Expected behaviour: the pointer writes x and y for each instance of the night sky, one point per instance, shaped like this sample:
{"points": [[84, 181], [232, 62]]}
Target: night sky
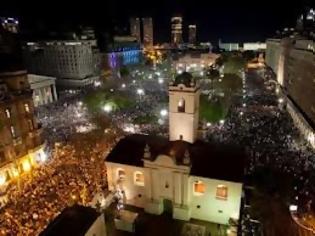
{"points": [[229, 20]]}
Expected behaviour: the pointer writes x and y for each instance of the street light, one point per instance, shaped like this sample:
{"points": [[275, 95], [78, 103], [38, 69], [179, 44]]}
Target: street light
{"points": [[107, 108], [221, 122], [163, 112], [140, 91], [244, 104], [123, 85], [208, 124]]}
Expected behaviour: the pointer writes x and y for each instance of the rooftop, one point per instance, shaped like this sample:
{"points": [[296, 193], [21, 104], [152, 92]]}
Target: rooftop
{"points": [[208, 160], [74, 221]]}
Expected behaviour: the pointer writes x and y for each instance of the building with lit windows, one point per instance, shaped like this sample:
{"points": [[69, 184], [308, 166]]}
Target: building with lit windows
{"points": [[195, 62], [74, 63], [147, 32], [182, 175], [135, 28], [176, 30], [21, 144], [192, 32], [10, 24]]}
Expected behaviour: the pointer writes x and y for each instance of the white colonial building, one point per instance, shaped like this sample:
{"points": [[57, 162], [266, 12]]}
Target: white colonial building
{"points": [[182, 176]]}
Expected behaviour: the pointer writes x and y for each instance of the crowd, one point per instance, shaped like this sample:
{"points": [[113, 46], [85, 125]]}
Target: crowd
{"points": [[266, 131], [73, 175]]}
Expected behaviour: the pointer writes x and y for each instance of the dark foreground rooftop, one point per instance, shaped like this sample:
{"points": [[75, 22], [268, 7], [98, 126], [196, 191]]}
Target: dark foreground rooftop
{"points": [[208, 160], [74, 221]]}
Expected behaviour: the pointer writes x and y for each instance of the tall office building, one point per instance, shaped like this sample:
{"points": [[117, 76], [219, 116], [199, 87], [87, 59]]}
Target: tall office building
{"points": [[10, 24], [135, 28], [147, 32], [21, 144], [177, 31], [74, 63], [192, 31]]}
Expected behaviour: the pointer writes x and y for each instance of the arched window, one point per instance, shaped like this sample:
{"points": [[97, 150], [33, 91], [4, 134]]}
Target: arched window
{"points": [[222, 192], [199, 188], [181, 105], [121, 174], [139, 178]]}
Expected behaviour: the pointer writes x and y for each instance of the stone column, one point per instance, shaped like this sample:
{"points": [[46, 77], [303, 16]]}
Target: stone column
{"points": [[148, 183], [41, 97], [185, 183], [178, 188], [54, 92]]}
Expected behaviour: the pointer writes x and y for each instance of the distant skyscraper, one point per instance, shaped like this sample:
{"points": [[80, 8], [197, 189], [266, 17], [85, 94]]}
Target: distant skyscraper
{"points": [[147, 32], [177, 31], [10, 24], [135, 28], [192, 31]]}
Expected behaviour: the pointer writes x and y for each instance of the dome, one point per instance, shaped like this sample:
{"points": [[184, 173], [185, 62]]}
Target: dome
{"points": [[184, 78]]}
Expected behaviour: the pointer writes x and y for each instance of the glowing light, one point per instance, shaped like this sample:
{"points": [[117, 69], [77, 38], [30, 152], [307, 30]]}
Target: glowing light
{"points": [[112, 90], [133, 81], [97, 83], [179, 72], [280, 100], [107, 108], [241, 113], [293, 208], [26, 166], [123, 85], [43, 157], [2, 179], [221, 122], [222, 75], [208, 124], [80, 103], [161, 81], [244, 104], [201, 73], [140, 91], [163, 112], [15, 172], [150, 76]]}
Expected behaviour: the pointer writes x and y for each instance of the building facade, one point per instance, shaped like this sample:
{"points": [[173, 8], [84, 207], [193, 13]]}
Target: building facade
{"points": [[21, 144], [147, 32], [293, 61], [176, 30], [44, 89], [180, 176], [195, 63], [192, 34], [135, 28], [229, 46], [73, 63], [256, 46]]}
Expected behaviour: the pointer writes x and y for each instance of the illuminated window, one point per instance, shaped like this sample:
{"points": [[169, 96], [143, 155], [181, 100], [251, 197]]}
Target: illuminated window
{"points": [[199, 188], [121, 174], [26, 107], [8, 113], [181, 105], [12, 129], [139, 178], [222, 192]]}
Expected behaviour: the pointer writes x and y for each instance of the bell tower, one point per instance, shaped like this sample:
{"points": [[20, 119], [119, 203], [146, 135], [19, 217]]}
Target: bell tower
{"points": [[184, 94]]}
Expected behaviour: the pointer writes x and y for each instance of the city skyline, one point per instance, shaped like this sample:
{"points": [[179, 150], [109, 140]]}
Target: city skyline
{"points": [[233, 22]]}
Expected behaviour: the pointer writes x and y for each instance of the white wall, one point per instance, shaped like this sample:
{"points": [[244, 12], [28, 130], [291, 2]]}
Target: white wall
{"points": [[130, 188], [210, 205]]}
